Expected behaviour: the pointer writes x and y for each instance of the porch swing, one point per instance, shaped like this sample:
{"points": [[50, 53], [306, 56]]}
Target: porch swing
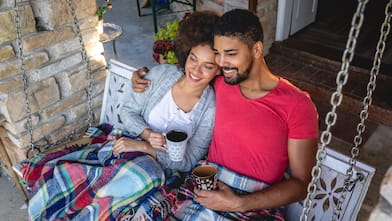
{"points": [[350, 178]]}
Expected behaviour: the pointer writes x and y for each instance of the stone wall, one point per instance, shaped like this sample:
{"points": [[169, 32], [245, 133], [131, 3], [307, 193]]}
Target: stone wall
{"points": [[56, 73], [266, 10]]}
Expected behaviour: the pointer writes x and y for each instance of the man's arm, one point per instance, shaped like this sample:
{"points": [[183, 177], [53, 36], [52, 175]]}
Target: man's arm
{"points": [[138, 83], [302, 159]]}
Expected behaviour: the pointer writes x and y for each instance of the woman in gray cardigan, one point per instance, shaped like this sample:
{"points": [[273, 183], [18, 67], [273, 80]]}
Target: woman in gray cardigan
{"points": [[176, 99]]}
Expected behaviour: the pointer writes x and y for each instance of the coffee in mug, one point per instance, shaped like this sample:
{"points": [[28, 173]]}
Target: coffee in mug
{"points": [[205, 177], [176, 141], [176, 135]]}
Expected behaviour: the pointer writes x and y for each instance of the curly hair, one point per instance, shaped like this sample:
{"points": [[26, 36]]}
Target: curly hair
{"points": [[242, 24], [195, 29]]}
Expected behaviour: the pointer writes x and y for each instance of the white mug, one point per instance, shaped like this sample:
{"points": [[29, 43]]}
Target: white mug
{"points": [[176, 141]]}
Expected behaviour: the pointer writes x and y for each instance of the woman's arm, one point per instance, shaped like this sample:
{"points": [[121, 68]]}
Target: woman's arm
{"points": [[125, 144], [198, 144], [132, 112], [137, 107]]}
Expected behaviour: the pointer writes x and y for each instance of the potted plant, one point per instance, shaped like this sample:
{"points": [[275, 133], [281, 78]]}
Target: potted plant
{"points": [[101, 11], [163, 47]]}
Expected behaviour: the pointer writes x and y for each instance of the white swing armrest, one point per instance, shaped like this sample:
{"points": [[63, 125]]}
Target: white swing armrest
{"points": [[117, 88], [332, 177]]}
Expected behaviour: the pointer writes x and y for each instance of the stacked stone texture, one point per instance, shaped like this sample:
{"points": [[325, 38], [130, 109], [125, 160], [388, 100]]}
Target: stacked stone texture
{"points": [[56, 73]]}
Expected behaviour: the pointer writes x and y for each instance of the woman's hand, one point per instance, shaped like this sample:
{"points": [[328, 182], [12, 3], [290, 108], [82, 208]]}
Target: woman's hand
{"points": [[125, 144], [157, 141], [138, 83]]}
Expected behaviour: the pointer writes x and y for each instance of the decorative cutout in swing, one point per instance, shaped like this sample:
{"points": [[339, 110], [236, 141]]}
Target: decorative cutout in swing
{"points": [[330, 186], [117, 90]]}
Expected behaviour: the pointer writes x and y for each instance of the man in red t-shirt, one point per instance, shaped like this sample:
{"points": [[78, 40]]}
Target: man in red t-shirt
{"points": [[263, 124]]}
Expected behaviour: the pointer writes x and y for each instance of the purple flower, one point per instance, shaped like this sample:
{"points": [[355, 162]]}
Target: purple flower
{"points": [[162, 46], [156, 57]]}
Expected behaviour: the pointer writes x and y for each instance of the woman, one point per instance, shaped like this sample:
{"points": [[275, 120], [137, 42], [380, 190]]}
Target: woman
{"points": [[88, 183], [176, 99]]}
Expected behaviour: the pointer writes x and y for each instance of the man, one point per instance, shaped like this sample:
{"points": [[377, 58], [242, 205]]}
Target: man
{"points": [[263, 125]]}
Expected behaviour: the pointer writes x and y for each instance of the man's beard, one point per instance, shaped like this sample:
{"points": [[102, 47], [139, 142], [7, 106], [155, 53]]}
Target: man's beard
{"points": [[239, 77]]}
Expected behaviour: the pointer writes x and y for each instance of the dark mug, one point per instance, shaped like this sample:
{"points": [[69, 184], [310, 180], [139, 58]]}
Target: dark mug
{"points": [[205, 177]]}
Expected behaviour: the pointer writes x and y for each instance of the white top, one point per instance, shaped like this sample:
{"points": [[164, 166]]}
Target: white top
{"points": [[166, 116]]}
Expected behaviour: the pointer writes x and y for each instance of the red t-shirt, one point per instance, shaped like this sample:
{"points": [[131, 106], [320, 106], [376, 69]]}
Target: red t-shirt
{"points": [[250, 135]]}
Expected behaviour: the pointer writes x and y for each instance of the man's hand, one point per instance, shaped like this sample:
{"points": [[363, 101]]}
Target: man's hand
{"points": [[223, 199], [138, 83]]}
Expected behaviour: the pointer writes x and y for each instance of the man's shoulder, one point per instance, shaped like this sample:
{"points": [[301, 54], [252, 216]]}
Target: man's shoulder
{"points": [[292, 90]]}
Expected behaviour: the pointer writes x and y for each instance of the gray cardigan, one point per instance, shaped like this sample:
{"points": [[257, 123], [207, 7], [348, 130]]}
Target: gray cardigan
{"points": [[136, 109]]}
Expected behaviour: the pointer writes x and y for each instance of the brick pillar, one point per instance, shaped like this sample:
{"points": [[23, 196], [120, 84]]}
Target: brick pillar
{"points": [[57, 74]]}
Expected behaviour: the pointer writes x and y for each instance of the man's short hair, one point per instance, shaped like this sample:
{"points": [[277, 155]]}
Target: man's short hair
{"points": [[240, 23]]}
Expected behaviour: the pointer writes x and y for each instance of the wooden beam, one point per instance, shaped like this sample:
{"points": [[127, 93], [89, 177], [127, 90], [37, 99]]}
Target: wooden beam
{"points": [[252, 4]]}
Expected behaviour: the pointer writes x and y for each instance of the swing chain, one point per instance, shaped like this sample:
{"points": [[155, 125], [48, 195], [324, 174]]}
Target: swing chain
{"points": [[24, 78], [349, 182], [335, 101], [86, 61], [35, 149], [75, 133]]}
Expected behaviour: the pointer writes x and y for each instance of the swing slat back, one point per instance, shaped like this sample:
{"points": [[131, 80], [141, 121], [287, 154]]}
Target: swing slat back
{"points": [[117, 90], [331, 185]]}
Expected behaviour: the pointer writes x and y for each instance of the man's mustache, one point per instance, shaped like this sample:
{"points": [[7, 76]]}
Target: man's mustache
{"points": [[226, 69]]}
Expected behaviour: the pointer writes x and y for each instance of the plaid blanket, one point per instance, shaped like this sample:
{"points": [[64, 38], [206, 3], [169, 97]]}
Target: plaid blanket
{"points": [[173, 204], [88, 182]]}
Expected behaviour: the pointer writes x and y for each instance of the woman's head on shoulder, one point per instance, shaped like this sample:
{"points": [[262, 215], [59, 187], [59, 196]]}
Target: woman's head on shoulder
{"points": [[194, 47], [194, 29]]}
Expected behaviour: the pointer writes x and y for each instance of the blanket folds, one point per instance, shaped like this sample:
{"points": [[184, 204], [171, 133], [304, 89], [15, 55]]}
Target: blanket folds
{"points": [[183, 207], [88, 182]]}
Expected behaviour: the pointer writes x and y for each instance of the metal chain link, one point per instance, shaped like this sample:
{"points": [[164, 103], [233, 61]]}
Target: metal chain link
{"points": [[367, 100], [87, 62], [35, 149], [336, 99], [24, 77]]}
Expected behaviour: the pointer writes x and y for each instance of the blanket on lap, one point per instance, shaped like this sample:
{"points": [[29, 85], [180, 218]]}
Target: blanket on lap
{"points": [[160, 206], [88, 182]]}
